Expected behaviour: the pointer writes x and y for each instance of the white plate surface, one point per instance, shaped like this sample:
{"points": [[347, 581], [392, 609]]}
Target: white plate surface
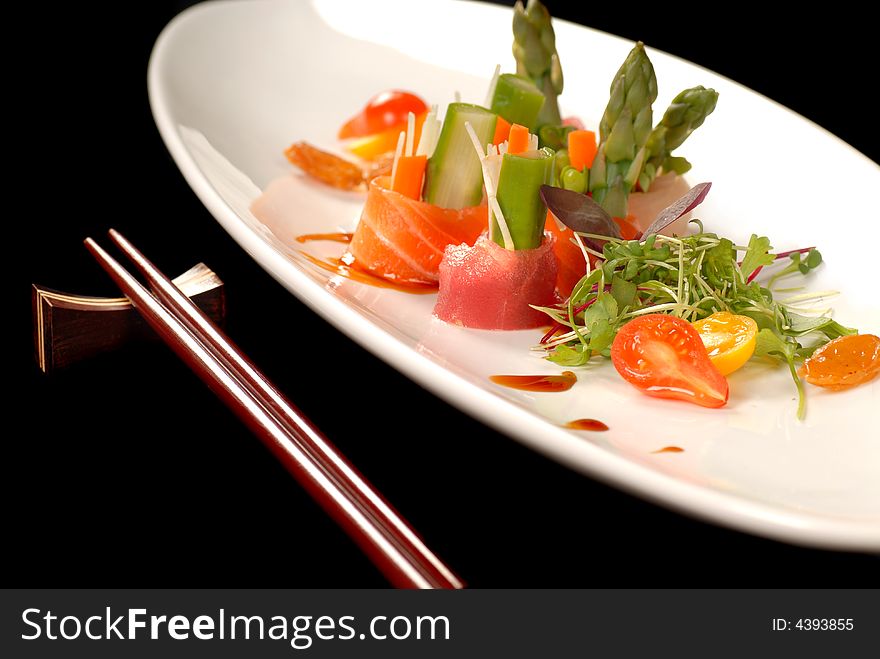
{"points": [[232, 83]]}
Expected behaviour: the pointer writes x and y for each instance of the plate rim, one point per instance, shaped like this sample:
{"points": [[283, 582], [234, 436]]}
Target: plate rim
{"points": [[715, 506]]}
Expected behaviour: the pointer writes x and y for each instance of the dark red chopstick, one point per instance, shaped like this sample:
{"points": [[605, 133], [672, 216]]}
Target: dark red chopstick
{"points": [[369, 520], [296, 424]]}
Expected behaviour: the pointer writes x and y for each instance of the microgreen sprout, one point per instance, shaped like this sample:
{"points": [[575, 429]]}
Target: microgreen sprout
{"points": [[690, 277]]}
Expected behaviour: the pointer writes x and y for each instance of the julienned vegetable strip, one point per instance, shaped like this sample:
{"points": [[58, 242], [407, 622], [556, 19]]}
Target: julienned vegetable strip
{"points": [[502, 130], [581, 148], [518, 100], [428, 133], [408, 169], [518, 139], [398, 153], [454, 176], [408, 176], [519, 183]]}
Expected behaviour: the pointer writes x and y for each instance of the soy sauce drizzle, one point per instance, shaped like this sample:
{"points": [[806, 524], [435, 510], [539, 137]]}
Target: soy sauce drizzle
{"points": [[345, 267], [335, 237], [587, 424], [544, 383]]}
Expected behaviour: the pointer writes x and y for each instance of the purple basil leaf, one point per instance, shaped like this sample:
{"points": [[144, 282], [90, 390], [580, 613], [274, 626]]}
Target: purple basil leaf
{"points": [[580, 213], [691, 199]]}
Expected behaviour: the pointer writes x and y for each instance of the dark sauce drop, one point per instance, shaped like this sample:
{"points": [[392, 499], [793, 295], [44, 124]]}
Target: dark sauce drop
{"points": [[335, 237], [669, 449], [546, 383], [345, 267], [587, 424]]}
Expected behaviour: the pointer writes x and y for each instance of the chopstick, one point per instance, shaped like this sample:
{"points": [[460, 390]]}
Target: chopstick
{"points": [[384, 536]]}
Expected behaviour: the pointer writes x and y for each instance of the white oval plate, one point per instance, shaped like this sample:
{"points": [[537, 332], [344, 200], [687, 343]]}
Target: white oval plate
{"points": [[233, 83]]}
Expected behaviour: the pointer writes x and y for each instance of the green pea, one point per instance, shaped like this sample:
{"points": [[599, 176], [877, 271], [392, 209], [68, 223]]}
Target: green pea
{"points": [[573, 180]]}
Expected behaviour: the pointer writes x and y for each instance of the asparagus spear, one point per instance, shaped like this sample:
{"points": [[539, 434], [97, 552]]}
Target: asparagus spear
{"points": [[623, 132], [534, 47], [517, 100], [519, 185], [686, 113]]}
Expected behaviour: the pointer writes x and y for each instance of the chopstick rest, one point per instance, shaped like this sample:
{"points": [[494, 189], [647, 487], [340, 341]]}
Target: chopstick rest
{"points": [[72, 328]]}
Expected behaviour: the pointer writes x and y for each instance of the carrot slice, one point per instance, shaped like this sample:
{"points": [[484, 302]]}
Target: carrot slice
{"points": [[518, 140], [502, 130], [581, 148], [409, 176]]}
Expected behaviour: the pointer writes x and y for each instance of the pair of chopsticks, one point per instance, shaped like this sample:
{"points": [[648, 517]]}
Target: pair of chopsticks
{"points": [[384, 536]]}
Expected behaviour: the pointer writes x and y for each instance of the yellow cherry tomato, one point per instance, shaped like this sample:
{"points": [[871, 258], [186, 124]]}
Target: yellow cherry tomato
{"points": [[370, 147], [373, 146], [729, 339]]}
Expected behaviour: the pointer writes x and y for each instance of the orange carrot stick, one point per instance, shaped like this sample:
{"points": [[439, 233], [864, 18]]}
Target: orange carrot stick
{"points": [[581, 148], [502, 130], [518, 140], [409, 176]]}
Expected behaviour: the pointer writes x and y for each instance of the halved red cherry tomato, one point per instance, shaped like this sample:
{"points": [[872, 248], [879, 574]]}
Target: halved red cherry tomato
{"points": [[665, 357], [385, 110], [844, 362]]}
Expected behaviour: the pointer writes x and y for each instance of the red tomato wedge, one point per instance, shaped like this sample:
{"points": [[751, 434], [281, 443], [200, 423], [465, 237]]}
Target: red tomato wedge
{"points": [[665, 357], [385, 110]]}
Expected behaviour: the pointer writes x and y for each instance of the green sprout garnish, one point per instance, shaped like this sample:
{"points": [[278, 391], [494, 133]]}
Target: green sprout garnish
{"points": [[690, 277]]}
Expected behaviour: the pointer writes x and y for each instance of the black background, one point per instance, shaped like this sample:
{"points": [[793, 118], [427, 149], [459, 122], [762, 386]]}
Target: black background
{"points": [[126, 471]]}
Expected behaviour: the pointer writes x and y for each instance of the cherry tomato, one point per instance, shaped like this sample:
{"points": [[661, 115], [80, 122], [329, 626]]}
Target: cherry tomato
{"points": [[665, 357], [385, 110], [730, 339], [373, 146], [844, 362]]}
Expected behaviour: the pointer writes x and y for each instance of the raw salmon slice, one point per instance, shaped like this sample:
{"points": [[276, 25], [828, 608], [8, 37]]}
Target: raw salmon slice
{"points": [[403, 240]]}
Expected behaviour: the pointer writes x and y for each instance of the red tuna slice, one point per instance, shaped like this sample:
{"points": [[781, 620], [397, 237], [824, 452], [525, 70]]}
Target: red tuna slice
{"points": [[402, 239], [489, 287]]}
